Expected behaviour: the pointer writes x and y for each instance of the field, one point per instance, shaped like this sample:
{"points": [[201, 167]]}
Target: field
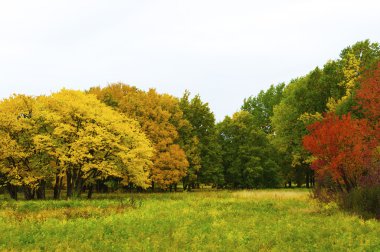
{"points": [[262, 220]]}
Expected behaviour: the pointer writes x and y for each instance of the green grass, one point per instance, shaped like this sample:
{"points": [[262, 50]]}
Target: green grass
{"points": [[263, 220]]}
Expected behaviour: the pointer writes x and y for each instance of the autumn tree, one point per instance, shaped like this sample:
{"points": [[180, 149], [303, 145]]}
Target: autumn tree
{"points": [[367, 96], [305, 99], [368, 101], [342, 148], [354, 61], [20, 166], [86, 141], [161, 119], [346, 149]]}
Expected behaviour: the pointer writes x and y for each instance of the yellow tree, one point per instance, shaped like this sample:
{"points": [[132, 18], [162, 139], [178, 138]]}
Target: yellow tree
{"points": [[86, 140], [20, 165], [161, 118]]}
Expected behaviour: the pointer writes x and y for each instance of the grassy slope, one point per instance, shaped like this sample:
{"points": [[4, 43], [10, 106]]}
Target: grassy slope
{"points": [[268, 220]]}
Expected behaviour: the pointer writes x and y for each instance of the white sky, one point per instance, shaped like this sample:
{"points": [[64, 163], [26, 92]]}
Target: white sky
{"points": [[224, 50]]}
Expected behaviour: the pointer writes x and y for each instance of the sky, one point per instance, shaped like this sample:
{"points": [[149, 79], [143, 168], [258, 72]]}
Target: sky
{"points": [[224, 50]]}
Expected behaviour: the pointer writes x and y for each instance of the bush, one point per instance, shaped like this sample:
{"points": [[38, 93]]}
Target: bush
{"points": [[363, 201]]}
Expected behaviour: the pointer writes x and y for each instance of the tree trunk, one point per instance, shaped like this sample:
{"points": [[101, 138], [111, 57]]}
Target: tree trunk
{"points": [[98, 186], [57, 187], [12, 190], [152, 186], [90, 189], [41, 190], [307, 179], [69, 191], [78, 186], [28, 192]]}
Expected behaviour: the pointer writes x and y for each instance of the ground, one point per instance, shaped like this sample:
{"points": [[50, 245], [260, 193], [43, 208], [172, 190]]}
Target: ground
{"points": [[257, 220]]}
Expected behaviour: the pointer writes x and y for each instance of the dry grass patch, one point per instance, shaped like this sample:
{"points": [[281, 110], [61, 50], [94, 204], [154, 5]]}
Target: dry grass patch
{"points": [[271, 194]]}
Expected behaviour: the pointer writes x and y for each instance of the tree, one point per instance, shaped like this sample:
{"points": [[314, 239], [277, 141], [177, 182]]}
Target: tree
{"points": [[342, 149], [367, 96], [368, 100], [19, 165], [261, 106], [355, 60], [203, 129], [161, 119], [289, 128], [248, 158], [87, 141], [190, 143], [345, 148]]}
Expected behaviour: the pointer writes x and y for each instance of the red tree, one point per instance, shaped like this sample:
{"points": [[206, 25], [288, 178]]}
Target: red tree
{"points": [[368, 98], [343, 148]]}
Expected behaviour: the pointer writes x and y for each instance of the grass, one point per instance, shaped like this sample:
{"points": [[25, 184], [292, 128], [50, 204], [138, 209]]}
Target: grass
{"points": [[262, 220]]}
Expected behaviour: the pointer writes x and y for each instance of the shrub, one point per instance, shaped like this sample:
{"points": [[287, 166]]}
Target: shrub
{"points": [[364, 201]]}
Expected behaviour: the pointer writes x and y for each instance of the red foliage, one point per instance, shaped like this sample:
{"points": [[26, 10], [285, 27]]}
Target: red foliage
{"points": [[343, 148], [368, 97]]}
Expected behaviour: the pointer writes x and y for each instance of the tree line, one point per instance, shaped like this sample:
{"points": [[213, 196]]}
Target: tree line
{"points": [[120, 136]]}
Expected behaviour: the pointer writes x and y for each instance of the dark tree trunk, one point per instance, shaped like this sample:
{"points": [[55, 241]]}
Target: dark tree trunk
{"points": [[69, 191], [57, 187], [100, 188], [78, 186], [152, 186], [307, 179], [90, 189], [175, 187], [12, 190], [28, 193], [41, 190]]}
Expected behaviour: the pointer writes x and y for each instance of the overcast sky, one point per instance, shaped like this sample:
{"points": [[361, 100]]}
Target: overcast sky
{"points": [[223, 50]]}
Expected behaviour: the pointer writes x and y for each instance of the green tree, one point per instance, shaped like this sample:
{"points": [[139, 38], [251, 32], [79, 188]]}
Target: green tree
{"points": [[305, 99], [202, 121], [248, 157], [261, 106]]}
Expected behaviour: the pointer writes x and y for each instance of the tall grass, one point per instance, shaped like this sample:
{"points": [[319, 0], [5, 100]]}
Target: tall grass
{"points": [[263, 220]]}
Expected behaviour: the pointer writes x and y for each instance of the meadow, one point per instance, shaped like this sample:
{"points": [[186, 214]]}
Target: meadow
{"points": [[257, 220]]}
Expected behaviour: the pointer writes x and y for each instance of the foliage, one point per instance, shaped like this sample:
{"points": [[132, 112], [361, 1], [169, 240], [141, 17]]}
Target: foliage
{"points": [[364, 201], [342, 148], [248, 158], [346, 150], [19, 163], [305, 99], [202, 120], [367, 97], [161, 119], [73, 135], [261, 106]]}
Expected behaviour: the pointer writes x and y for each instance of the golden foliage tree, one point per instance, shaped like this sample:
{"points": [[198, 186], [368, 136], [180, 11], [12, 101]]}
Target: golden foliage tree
{"points": [[161, 119], [70, 135], [19, 165]]}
